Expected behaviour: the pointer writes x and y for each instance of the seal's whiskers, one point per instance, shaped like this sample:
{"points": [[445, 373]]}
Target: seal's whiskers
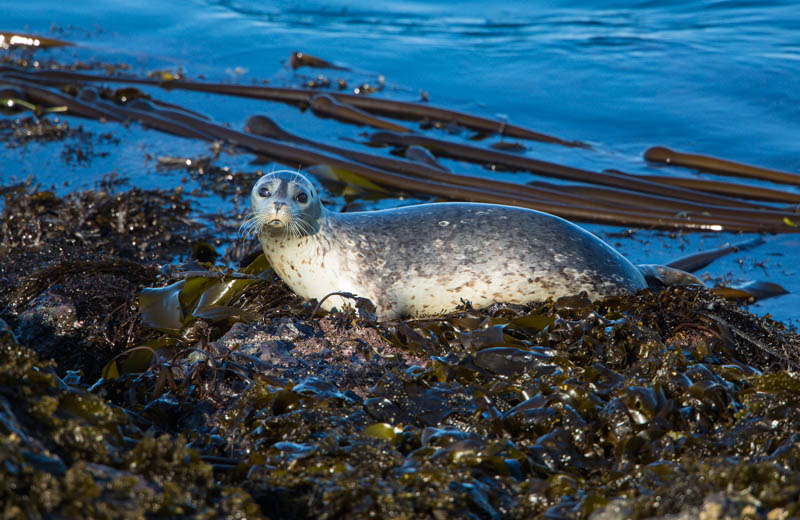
{"points": [[250, 227], [300, 227]]}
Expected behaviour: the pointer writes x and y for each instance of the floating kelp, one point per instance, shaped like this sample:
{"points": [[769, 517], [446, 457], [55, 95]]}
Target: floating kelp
{"points": [[625, 199], [751, 291], [715, 165], [730, 189], [325, 106], [348, 108], [696, 261], [610, 200], [387, 107]]}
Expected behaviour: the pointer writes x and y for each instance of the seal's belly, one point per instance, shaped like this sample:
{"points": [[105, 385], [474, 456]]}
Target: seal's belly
{"points": [[403, 293], [426, 297]]}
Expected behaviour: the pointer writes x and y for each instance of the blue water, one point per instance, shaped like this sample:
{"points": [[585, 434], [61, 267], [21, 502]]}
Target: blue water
{"points": [[713, 77]]}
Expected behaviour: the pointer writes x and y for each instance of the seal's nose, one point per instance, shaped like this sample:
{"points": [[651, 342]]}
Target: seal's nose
{"points": [[277, 205]]}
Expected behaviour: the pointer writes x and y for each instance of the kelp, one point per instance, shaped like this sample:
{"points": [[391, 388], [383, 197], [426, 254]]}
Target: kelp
{"points": [[196, 303], [301, 59], [624, 199], [392, 108], [73, 264], [722, 166], [521, 429]]}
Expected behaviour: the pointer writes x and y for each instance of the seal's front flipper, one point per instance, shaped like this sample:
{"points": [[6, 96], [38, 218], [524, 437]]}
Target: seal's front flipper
{"points": [[660, 276]]}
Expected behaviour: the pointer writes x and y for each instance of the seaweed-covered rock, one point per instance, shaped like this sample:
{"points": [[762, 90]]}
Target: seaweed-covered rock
{"points": [[73, 267], [228, 396], [67, 453]]}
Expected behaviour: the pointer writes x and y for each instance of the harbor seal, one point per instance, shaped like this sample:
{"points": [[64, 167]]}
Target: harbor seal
{"points": [[430, 259]]}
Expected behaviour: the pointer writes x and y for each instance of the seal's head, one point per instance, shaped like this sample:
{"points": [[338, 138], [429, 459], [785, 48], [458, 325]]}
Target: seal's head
{"points": [[284, 204]]}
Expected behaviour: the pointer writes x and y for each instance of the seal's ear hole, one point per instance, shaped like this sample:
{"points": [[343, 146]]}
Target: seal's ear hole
{"points": [[263, 191], [301, 197]]}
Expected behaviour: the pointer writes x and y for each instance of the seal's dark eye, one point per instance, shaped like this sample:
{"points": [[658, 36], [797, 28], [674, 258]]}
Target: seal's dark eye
{"points": [[301, 198], [263, 191]]}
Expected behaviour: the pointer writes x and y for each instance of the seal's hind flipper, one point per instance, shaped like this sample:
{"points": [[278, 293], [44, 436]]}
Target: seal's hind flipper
{"points": [[660, 276]]}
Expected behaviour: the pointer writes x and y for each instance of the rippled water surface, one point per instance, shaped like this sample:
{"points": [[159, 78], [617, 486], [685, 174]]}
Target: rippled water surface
{"points": [[719, 78]]}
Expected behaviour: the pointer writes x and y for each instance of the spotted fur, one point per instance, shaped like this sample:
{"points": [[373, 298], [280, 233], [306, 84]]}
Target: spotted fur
{"points": [[428, 259]]}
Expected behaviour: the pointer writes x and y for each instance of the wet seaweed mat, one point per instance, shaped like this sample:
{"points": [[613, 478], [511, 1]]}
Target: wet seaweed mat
{"points": [[650, 405], [565, 410]]}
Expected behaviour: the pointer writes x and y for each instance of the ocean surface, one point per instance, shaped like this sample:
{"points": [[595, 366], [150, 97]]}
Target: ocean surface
{"points": [[714, 77]]}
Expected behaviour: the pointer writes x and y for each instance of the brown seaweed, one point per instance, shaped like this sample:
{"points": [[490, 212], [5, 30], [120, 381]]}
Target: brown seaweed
{"points": [[681, 208], [722, 166], [386, 107]]}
